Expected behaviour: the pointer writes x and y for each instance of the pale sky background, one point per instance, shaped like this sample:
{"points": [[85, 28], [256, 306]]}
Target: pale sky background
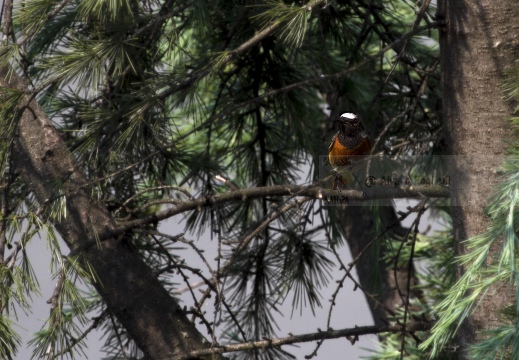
{"points": [[351, 309]]}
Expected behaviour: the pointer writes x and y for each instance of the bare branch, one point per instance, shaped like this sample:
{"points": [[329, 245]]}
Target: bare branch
{"points": [[296, 339], [313, 191], [421, 208]]}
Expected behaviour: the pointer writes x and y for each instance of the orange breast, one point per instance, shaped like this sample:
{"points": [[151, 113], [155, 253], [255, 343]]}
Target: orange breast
{"points": [[340, 155]]}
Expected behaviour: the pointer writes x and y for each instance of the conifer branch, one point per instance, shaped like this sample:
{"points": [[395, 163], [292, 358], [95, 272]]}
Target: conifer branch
{"points": [[267, 31], [320, 335], [393, 192]]}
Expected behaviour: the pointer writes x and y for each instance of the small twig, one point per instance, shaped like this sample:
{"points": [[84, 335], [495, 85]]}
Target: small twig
{"points": [[421, 210], [217, 284], [270, 217], [162, 187], [4, 212], [402, 244], [191, 243], [211, 287], [180, 266], [227, 182], [54, 302], [54, 299], [188, 288]]}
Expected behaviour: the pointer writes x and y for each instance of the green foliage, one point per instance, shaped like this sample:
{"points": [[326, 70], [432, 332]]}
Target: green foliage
{"points": [[9, 340], [157, 98]]}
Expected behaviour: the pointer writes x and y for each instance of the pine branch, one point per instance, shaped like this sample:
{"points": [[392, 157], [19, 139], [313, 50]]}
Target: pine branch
{"points": [[296, 339], [269, 30], [393, 192], [57, 9]]}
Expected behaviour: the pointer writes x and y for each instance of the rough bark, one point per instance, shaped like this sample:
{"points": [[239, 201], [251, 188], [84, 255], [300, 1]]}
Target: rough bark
{"points": [[478, 43], [150, 315]]}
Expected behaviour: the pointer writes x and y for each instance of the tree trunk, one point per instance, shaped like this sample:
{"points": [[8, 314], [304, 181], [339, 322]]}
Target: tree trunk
{"points": [[133, 294], [478, 43]]}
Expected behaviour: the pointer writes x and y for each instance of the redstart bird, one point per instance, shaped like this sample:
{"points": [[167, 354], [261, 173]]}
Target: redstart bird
{"points": [[350, 141]]}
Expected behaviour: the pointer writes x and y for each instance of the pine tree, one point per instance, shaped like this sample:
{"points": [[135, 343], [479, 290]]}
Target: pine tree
{"points": [[119, 115]]}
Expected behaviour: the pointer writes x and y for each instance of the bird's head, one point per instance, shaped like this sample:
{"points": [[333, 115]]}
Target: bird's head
{"points": [[350, 123]]}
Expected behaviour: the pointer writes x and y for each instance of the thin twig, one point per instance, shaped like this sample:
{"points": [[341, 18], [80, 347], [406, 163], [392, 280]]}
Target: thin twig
{"points": [[421, 210], [55, 315], [96, 321], [227, 182]]}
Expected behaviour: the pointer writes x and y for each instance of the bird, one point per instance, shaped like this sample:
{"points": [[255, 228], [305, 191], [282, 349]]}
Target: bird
{"points": [[348, 144]]}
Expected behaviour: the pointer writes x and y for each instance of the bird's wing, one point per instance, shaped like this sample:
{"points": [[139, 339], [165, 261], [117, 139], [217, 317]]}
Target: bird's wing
{"points": [[332, 142]]}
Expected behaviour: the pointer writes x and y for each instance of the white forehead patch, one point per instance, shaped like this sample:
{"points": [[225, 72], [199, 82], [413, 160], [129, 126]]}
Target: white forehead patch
{"points": [[350, 116]]}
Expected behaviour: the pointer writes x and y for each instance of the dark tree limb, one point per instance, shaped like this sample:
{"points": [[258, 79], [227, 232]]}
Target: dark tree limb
{"points": [[153, 319]]}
